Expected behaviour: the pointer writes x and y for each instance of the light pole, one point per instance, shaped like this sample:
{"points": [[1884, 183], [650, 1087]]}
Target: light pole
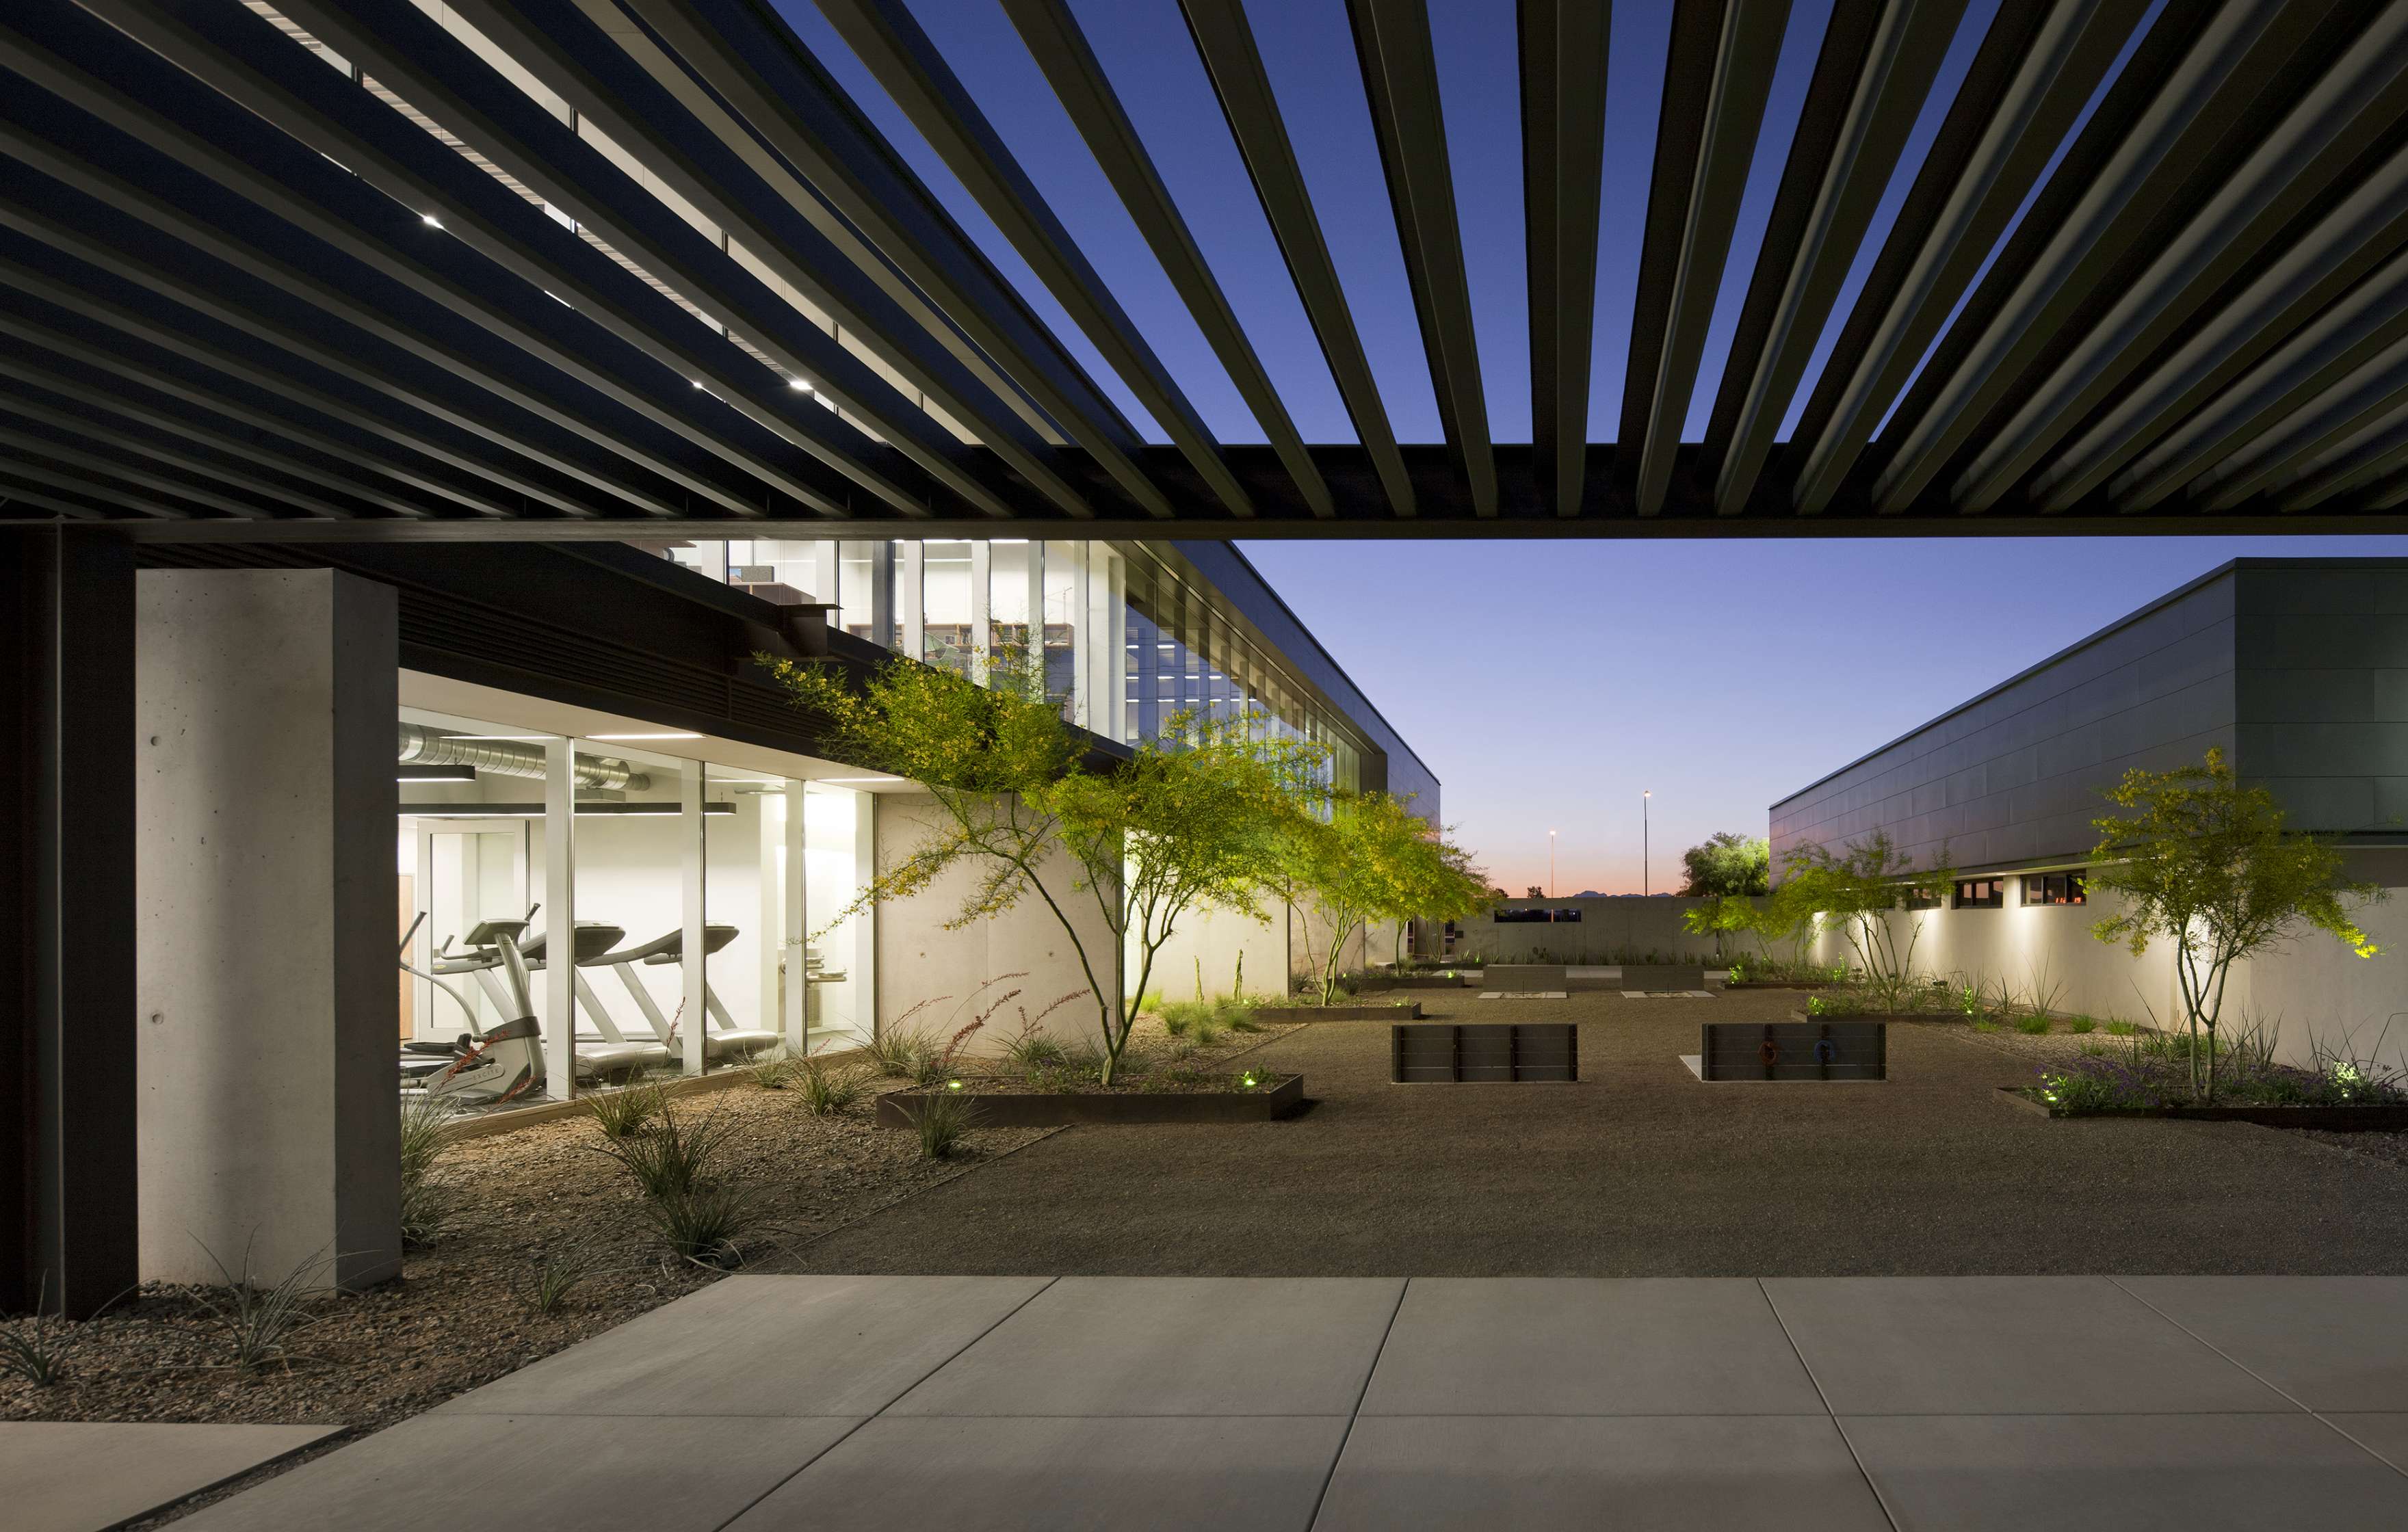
{"points": [[1551, 864], [1644, 885]]}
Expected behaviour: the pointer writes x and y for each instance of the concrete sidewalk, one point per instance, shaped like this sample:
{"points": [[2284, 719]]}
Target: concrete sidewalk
{"points": [[1023, 1402]]}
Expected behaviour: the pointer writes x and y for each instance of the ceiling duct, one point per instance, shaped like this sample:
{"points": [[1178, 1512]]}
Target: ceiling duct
{"points": [[423, 745]]}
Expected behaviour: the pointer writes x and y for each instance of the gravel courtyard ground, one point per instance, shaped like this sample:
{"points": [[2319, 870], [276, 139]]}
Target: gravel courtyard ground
{"points": [[1641, 1171]]}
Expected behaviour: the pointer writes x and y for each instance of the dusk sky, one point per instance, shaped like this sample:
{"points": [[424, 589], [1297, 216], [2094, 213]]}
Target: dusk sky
{"points": [[1546, 682]]}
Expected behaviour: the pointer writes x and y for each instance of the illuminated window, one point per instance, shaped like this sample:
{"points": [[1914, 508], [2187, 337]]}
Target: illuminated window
{"points": [[1922, 899], [2054, 888], [1981, 893]]}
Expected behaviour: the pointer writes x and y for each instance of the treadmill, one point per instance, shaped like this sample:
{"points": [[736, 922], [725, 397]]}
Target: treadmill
{"points": [[728, 1041]]}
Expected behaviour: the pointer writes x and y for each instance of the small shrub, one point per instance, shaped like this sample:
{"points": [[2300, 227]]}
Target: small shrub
{"points": [[2121, 1029], [2031, 1027], [2095, 1085], [2081, 1024], [941, 1121], [706, 1225], [261, 1322], [625, 1112], [825, 1089], [35, 1347], [676, 1158], [1176, 1022], [544, 1287], [1207, 1034]]}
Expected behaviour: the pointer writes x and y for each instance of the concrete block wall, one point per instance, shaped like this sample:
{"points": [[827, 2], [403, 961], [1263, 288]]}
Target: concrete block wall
{"points": [[1609, 928], [939, 977]]}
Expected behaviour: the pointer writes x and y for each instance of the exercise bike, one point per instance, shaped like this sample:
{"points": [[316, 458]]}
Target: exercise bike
{"points": [[481, 1067]]}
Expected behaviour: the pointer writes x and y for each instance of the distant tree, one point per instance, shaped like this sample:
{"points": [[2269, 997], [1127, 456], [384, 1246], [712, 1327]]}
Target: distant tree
{"points": [[1535, 892], [1726, 863], [2210, 865], [1857, 890]]}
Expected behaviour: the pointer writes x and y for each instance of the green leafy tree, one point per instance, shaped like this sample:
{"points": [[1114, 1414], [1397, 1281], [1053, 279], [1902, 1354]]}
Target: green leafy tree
{"points": [[1722, 916], [1192, 821], [2210, 865], [1855, 890], [1727, 863], [1435, 880]]}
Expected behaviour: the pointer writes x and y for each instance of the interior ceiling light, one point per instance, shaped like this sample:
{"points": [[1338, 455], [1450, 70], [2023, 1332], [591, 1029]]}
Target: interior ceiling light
{"points": [[536, 810]]}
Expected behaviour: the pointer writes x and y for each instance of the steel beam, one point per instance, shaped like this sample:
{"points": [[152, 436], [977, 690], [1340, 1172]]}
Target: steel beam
{"points": [[1392, 43], [180, 356], [2037, 65], [2318, 144], [1226, 43], [1875, 69], [869, 202], [1071, 68], [439, 76], [2291, 288], [2144, 166], [1564, 47], [905, 61], [1716, 80], [2359, 327], [131, 435], [558, 42]]}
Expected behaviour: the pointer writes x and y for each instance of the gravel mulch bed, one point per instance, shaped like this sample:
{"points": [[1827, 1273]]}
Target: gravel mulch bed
{"points": [[453, 1320], [2389, 1149], [1640, 1170], [2042, 1048]]}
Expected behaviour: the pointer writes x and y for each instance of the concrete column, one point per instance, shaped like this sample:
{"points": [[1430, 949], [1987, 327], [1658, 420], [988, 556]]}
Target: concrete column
{"points": [[560, 918], [69, 1233], [982, 607], [694, 1017], [912, 595], [265, 805], [862, 962]]}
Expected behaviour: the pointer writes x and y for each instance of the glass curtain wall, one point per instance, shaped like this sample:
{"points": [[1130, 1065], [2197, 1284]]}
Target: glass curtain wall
{"points": [[686, 925]]}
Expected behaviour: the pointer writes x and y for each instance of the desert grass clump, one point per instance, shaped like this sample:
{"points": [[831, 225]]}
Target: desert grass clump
{"points": [[2081, 1026], [545, 1287], [260, 1322], [1986, 1026], [677, 1157], [423, 1120], [709, 1225], [772, 1069], [826, 1089], [2032, 1026], [36, 1348], [626, 1112], [2121, 1029], [941, 1121]]}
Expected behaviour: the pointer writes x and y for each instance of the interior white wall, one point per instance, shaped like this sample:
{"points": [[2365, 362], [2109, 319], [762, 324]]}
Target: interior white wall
{"points": [[265, 802], [929, 976]]}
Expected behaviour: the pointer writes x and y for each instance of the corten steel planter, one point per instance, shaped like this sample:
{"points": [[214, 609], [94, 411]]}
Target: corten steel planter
{"points": [[900, 1108], [1828, 1048], [1401, 1010], [1654, 977], [1519, 1052], [1416, 982], [2372, 1117], [1523, 977]]}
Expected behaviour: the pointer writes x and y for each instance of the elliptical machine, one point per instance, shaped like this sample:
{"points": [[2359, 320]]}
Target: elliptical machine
{"points": [[481, 1067]]}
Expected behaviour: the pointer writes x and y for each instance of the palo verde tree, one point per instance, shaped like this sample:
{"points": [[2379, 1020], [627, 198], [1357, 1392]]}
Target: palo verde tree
{"points": [[1722, 916], [2210, 865], [1191, 821], [1855, 890], [1370, 858], [1727, 863]]}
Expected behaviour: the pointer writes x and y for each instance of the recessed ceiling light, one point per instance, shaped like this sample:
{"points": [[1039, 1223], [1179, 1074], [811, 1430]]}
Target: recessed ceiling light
{"points": [[798, 384], [430, 220]]}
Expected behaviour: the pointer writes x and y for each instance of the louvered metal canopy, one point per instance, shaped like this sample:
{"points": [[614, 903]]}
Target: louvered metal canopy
{"points": [[567, 268]]}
